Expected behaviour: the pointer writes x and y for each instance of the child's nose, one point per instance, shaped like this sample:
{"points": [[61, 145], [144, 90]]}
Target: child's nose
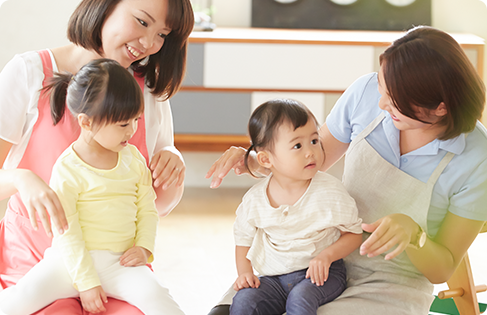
{"points": [[131, 131]]}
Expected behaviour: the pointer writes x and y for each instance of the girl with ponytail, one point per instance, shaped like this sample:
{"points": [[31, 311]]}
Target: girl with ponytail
{"points": [[105, 189]]}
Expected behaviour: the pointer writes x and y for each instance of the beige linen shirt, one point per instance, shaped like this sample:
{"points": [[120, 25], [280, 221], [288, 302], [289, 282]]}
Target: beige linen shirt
{"points": [[285, 239]]}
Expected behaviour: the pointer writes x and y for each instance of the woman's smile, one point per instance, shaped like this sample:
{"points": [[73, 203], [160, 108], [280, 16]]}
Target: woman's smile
{"points": [[134, 52]]}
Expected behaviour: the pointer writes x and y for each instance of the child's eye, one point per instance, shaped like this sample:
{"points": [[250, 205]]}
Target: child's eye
{"points": [[163, 36], [297, 146], [124, 125], [315, 141]]}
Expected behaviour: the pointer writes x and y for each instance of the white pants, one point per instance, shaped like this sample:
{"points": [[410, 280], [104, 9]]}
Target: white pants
{"points": [[49, 281]]}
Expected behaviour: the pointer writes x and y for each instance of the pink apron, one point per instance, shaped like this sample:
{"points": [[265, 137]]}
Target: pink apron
{"points": [[21, 247]]}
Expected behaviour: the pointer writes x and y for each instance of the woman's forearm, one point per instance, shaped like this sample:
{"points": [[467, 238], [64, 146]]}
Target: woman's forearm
{"points": [[434, 261], [7, 177], [168, 199], [440, 256], [8, 182]]}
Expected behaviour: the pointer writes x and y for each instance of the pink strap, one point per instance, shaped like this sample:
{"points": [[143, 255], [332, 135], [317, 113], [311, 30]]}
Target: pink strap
{"points": [[139, 138]]}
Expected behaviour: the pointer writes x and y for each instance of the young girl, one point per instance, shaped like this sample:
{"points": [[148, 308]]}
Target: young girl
{"points": [[105, 188], [147, 37], [295, 226]]}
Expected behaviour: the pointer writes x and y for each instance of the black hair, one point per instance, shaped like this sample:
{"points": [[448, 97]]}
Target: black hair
{"points": [[268, 117], [164, 71], [426, 67], [102, 89]]}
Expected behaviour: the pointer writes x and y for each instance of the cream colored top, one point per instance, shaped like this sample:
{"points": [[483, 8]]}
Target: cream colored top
{"points": [[285, 239], [106, 210]]}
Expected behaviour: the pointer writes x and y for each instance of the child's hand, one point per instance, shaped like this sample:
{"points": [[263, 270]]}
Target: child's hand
{"points": [[246, 280], [93, 299], [135, 256], [318, 269], [167, 168]]}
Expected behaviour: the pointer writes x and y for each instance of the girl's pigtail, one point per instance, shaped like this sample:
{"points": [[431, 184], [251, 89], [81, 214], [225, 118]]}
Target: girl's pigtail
{"points": [[246, 159], [58, 86]]}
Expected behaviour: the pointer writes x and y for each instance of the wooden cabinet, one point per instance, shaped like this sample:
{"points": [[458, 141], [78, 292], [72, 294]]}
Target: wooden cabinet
{"points": [[232, 70]]}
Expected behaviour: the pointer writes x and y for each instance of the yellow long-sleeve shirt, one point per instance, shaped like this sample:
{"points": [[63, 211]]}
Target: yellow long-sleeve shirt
{"points": [[106, 210]]}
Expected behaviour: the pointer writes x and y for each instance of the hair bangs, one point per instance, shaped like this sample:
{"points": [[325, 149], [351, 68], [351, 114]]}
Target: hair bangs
{"points": [[180, 19], [122, 106]]}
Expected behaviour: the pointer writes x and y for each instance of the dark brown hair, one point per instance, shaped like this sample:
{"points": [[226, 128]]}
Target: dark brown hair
{"points": [[426, 67], [165, 69], [269, 116], [102, 89]]}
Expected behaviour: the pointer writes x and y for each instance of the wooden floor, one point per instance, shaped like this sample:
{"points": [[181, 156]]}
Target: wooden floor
{"points": [[195, 249]]}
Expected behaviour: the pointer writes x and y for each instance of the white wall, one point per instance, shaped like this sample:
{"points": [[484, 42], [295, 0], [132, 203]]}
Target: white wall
{"points": [[32, 24]]}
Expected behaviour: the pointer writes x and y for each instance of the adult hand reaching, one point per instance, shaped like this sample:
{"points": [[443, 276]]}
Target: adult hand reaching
{"points": [[39, 198], [167, 169], [387, 232], [233, 158]]}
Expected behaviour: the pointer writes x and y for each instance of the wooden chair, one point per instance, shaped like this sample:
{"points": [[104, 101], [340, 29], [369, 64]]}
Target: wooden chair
{"points": [[462, 288]]}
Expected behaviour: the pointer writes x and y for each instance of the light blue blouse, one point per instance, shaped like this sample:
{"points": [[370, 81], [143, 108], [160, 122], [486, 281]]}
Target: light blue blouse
{"points": [[460, 189]]}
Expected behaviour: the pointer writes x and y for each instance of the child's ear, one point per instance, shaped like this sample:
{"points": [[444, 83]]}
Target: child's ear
{"points": [[85, 122], [263, 159]]}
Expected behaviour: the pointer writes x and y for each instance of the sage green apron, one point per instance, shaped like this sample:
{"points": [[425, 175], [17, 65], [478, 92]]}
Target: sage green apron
{"points": [[377, 286]]}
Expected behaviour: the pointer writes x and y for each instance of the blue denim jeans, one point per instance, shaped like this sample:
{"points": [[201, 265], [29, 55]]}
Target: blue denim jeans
{"points": [[291, 293]]}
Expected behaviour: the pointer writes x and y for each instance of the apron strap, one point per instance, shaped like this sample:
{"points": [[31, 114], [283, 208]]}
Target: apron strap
{"points": [[367, 130], [371, 126], [139, 138], [440, 168]]}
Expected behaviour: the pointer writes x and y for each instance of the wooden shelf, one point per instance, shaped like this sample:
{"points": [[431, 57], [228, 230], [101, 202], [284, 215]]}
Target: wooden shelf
{"points": [[314, 37], [209, 143], [382, 39]]}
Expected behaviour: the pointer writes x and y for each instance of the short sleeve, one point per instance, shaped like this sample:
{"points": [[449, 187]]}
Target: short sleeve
{"points": [[343, 115], [243, 231], [159, 125], [14, 99], [470, 202]]}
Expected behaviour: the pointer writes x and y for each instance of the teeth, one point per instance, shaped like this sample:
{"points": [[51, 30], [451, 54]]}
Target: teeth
{"points": [[133, 52]]}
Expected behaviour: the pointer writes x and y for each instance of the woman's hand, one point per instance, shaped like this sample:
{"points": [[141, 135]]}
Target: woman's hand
{"points": [[387, 232], [135, 256], [246, 280], [93, 299], [39, 198], [233, 158], [167, 168], [318, 269]]}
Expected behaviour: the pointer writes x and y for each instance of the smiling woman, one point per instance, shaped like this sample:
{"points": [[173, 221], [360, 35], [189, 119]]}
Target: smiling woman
{"points": [[154, 31]]}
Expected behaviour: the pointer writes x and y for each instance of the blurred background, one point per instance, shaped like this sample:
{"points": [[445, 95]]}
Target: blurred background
{"points": [[242, 53]]}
